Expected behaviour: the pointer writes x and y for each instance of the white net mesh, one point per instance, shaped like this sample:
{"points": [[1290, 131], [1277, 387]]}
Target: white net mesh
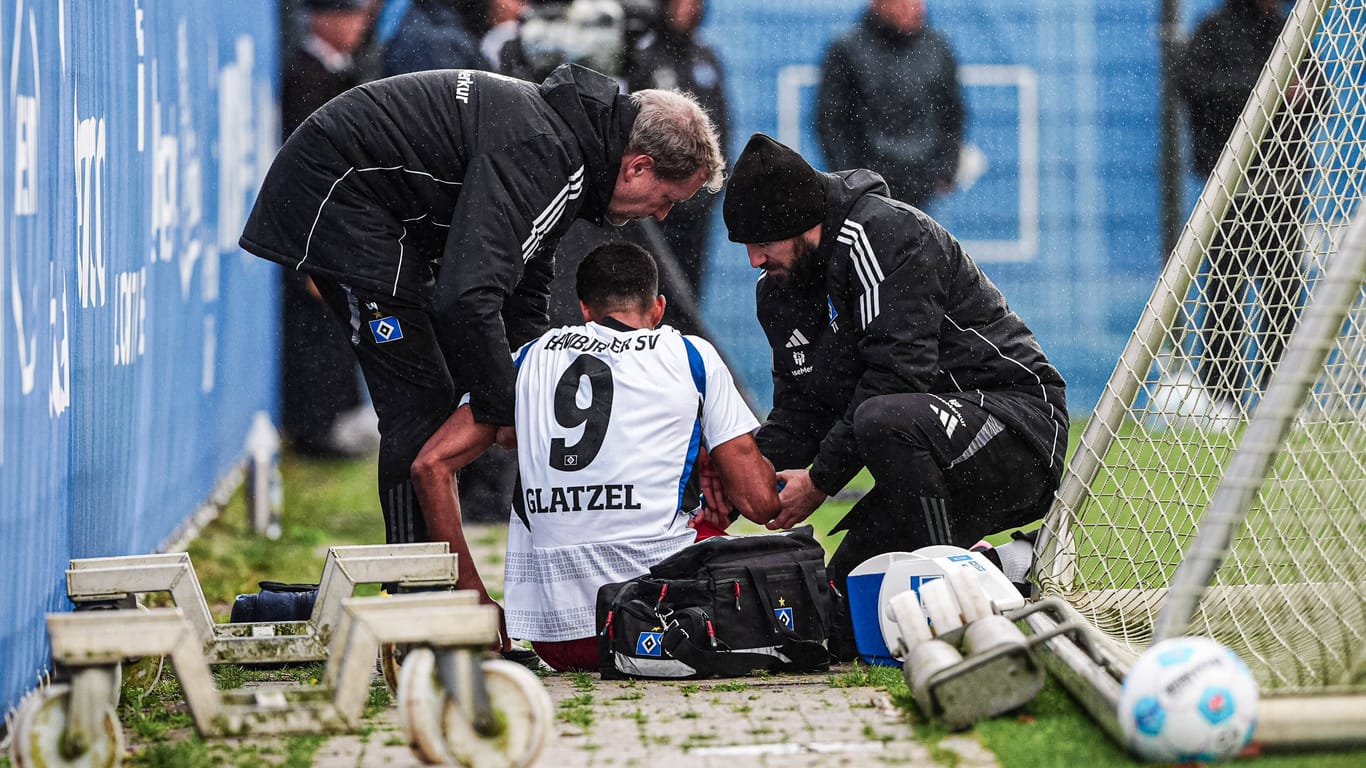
{"points": [[1290, 595]]}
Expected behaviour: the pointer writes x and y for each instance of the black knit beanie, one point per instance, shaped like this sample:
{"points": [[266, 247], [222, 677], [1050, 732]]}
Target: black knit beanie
{"points": [[773, 194]]}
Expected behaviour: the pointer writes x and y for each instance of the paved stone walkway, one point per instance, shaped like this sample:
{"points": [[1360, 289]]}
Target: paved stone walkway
{"points": [[793, 721]]}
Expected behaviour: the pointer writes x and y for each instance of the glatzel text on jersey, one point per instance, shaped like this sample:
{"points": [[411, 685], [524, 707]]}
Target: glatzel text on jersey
{"points": [[582, 498]]}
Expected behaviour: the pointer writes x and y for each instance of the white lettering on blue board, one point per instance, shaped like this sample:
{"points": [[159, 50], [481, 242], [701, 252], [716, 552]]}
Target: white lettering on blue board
{"points": [[59, 325], [237, 140], [25, 155], [206, 373], [130, 316], [91, 159]]}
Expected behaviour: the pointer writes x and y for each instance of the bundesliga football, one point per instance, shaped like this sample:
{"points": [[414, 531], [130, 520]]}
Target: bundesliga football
{"points": [[1188, 699]]}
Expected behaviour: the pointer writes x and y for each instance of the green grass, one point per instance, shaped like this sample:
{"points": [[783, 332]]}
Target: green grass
{"points": [[1162, 481], [1051, 731], [159, 731], [583, 681], [327, 503], [578, 710]]}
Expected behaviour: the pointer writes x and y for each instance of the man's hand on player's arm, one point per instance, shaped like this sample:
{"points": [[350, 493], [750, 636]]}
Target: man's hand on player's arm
{"points": [[748, 479], [456, 443], [799, 497]]}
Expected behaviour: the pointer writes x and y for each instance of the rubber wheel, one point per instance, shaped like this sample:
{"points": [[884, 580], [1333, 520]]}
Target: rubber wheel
{"points": [[143, 673], [39, 728], [524, 712], [420, 704]]}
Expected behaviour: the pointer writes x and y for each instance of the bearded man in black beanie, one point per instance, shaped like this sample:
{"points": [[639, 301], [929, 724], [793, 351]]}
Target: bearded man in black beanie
{"points": [[891, 350]]}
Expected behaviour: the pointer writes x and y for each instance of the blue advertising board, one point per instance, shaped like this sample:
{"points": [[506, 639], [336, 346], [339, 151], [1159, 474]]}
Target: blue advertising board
{"points": [[1058, 194], [134, 334]]}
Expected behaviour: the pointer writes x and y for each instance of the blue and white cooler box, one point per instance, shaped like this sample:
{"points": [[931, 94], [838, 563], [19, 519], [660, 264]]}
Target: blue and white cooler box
{"points": [[876, 580]]}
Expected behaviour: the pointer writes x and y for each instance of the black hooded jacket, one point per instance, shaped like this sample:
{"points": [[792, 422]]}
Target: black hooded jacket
{"points": [[448, 189], [889, 303]]}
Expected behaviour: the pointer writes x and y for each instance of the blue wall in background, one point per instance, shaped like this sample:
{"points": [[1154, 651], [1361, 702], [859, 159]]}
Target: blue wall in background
{"points": [[135, 337], [1063, 106]]}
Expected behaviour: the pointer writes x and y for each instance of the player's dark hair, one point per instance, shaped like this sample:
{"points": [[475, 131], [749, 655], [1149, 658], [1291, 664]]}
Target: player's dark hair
{"points": [[618, 275]]}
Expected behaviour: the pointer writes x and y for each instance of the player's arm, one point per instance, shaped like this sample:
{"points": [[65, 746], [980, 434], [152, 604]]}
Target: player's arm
{"points": [[748, 479], [459, 441], [749, 484]]}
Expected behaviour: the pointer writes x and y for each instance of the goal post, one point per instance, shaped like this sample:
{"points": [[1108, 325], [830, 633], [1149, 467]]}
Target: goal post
{"points": [[1219, 487]]}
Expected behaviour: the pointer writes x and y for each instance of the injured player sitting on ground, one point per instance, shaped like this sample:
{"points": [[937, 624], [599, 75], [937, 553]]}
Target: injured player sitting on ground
{"points": [[616, 420]]}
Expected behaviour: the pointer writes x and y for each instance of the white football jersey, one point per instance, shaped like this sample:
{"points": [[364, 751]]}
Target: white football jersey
{"points": [[609, 423]]}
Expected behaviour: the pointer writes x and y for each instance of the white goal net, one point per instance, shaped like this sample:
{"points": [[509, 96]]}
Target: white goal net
{"points": [[1220, 486]]}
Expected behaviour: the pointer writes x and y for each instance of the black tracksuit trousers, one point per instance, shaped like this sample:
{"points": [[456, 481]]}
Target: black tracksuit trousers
{"points": [[411, 386], [946, 472]]}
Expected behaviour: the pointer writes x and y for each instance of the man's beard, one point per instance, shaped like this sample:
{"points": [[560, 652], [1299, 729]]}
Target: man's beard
{"points": [[805, 268]]}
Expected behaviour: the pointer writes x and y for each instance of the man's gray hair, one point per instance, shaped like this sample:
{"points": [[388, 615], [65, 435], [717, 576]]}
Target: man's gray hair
{"points": [[678, 133]]}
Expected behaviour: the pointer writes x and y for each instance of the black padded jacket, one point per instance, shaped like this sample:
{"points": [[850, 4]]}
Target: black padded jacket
{"points": [[889, 303], [449, 189]]}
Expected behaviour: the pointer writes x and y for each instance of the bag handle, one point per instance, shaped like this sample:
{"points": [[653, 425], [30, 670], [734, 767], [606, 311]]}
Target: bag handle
{"points": [[679, 644], [675, 641], [813, 590], [806, 654]]}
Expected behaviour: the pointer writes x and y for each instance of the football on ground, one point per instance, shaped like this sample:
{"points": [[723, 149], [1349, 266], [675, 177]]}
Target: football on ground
{"points": [[1188, 699]]}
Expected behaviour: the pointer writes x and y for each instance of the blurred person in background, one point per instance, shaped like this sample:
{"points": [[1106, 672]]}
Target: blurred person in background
{"points": [[1215, 75], [324, 413], [322, 65], [438, 34], [890, 100], [670, 55], [505, 20]]}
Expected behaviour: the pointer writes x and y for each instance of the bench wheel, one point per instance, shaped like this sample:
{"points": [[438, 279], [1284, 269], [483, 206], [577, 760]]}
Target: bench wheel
{"points": [[40, 734], [440, 732]]}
